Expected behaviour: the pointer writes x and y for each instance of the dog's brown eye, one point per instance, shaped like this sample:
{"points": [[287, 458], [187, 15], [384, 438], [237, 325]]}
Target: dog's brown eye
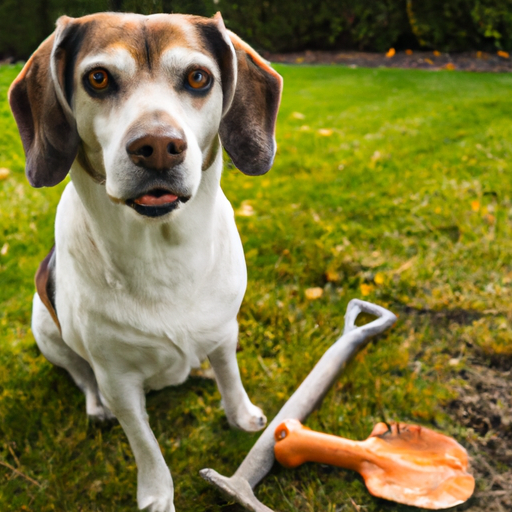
{"points": [[198, 79], [98, 78]]}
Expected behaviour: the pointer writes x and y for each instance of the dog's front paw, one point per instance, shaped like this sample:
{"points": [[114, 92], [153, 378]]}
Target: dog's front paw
{"points": [[160, 504], [248, 417], [155, 490]]}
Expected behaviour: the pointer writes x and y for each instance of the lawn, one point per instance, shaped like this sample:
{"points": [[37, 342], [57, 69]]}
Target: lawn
{"points": [[389, 185]]}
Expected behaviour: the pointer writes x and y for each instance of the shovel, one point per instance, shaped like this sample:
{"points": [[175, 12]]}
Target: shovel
{"points": [[307, 397], [405, 463]]}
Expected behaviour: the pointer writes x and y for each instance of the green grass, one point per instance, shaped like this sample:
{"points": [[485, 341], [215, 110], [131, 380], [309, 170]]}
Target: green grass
{"points": [[406, 203]]}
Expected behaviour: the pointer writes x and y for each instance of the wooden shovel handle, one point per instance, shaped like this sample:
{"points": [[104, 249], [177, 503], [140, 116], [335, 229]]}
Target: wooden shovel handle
{"points": [[296, 444]]}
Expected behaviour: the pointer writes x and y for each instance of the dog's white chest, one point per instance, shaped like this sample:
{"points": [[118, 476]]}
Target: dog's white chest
{"points": [[155, 308]]}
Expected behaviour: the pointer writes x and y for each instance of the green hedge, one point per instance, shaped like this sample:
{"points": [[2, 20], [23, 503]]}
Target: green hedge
{"points": [[288, 25], [461, 24]]}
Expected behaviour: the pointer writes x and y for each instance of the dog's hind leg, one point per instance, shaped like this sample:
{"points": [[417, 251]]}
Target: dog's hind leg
{"points": [[52, 346]]}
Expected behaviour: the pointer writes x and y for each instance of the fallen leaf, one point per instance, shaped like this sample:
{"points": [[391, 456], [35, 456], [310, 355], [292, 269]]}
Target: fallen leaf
{"points": [[503, 54], [436, 53], [376, 156], [304, 128], [406, 266], [475, 205], [245, 210], [298, 115], [299, 60], [429, 61], [4, 249], [332, 276], [450, 66], [366, 289], [479, 55], [390, 53], [408, 52], [4, 173], [314, 293], [379, 278], [325, 132]]}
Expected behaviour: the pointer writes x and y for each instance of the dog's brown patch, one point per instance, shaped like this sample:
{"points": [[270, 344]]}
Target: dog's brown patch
{"points": [[83, 161], [212, 153], [45, 285]]}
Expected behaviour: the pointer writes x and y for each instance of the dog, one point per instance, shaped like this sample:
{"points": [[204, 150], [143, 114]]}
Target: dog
{"points": [[147, 273]]}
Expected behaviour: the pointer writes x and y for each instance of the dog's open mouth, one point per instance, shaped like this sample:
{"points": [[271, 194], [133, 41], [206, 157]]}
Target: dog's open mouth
{"points": [[156, 203]]}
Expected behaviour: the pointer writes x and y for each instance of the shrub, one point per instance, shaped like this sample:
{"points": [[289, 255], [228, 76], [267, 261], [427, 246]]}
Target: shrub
{"points": [[292, 25], [328, 24], [461, 24]]}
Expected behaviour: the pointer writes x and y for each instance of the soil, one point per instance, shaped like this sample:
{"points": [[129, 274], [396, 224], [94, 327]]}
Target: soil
{"points": [[484, 407], [464, 61]]}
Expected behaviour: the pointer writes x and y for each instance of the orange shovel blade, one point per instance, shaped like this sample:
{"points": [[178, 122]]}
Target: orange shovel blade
{"points": [[421, 467], [403, 463]]}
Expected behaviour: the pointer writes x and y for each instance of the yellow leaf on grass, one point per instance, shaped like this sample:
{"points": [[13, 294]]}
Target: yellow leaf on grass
{"points": [[4, 173], [298, 115], [503, 54], [475, 205], [377, 155], [366, 289], [314, 293], [332, 276], [390, 53], [379, 278], [325, 132]]}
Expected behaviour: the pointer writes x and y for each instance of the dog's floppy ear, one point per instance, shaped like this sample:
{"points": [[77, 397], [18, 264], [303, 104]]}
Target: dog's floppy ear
{"points": [[42, 112], [252, 93], [247, 130]]}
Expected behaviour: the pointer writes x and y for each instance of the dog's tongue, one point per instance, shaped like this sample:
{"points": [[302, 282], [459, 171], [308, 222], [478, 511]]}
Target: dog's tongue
{"points": [[149, 200]]}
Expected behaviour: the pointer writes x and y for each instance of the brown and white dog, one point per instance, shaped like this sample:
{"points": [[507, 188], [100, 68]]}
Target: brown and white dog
{"points": [[148, 272]]}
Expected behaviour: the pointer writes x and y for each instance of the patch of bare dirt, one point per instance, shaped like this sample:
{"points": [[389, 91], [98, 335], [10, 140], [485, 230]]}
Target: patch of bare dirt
{"points": [[464, 61], [484, 408]]}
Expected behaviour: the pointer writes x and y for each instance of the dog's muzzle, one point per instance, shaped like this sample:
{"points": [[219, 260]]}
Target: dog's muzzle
{"points": [[157, 145]]}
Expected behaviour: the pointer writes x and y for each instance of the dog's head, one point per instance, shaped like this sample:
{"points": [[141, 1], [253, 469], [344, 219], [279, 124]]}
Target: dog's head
{"points": [[140, 101]]}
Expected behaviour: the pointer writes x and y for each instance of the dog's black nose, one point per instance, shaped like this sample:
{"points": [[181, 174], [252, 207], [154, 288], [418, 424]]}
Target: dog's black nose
{"points": [[158, 151]]}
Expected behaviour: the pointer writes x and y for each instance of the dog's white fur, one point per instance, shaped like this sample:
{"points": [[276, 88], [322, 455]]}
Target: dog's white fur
{"points": [[142, 301]]}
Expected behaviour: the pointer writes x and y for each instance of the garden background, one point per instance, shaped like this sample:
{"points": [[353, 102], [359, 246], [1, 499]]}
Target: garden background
{"points": [[392, 185]]}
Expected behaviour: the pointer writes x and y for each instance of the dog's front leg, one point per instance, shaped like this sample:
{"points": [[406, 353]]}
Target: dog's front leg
{"points": [[125, 397], [241, 413]]}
